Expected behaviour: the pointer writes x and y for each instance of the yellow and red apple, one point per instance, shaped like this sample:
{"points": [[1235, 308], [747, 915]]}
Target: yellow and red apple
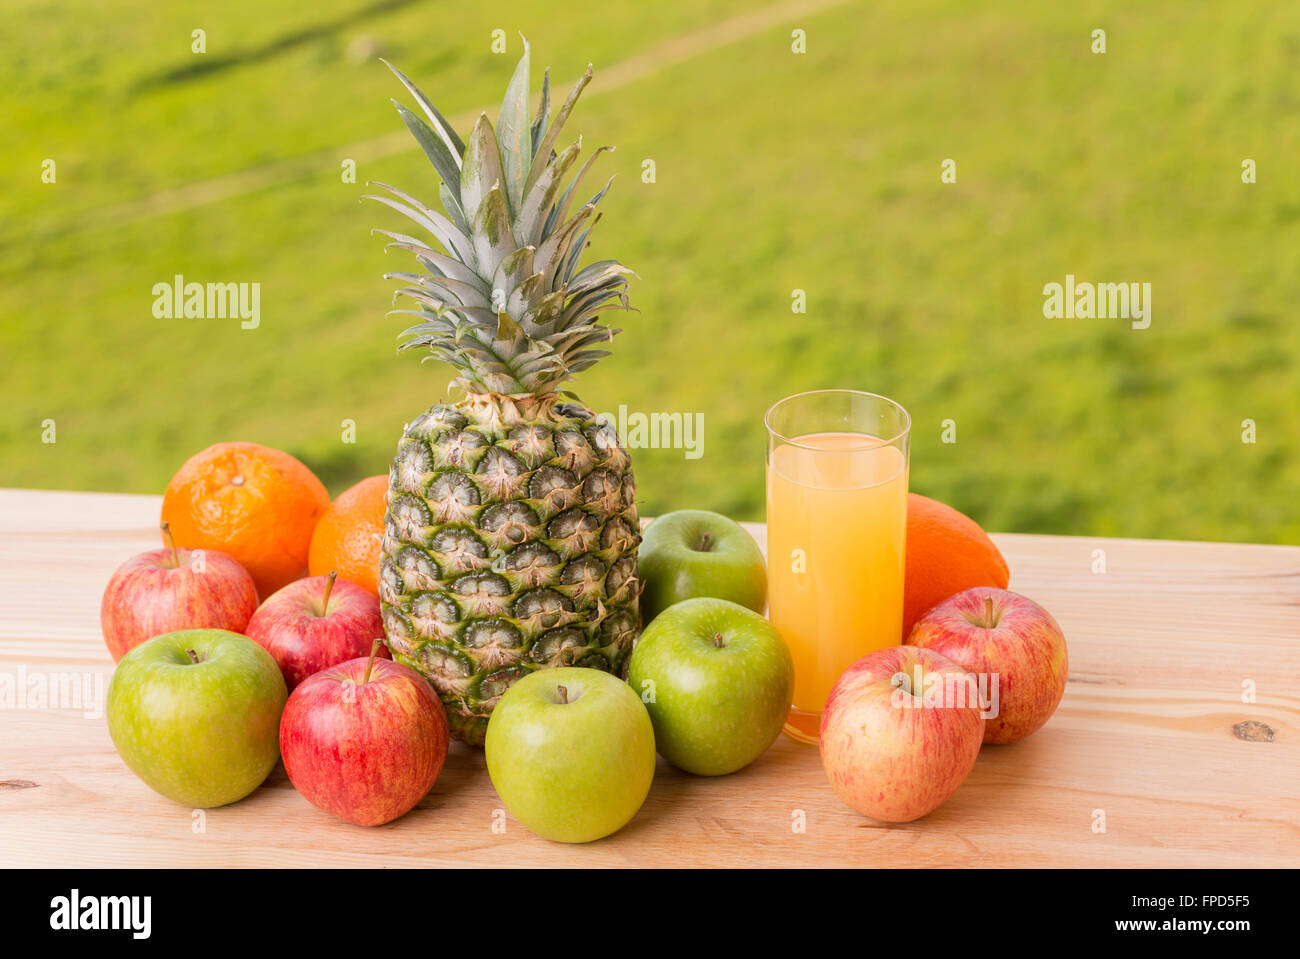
{"points": [[900, 732], [169, 589], [995, 633], [364, 740], [317, 622]]}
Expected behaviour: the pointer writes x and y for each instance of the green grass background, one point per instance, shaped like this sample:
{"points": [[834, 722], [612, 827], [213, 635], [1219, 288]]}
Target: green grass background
{"points": [[775, 171]]}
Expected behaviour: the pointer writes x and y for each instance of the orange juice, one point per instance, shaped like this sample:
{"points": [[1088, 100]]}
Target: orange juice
{"points": [[836, 523]]}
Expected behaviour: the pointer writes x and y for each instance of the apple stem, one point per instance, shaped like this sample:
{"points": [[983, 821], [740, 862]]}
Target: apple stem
{"points": [[194, 657], [169, 542], [374, 650], [564, 695], [704, 542], [329, 586], [988, 613], [718, 641]]}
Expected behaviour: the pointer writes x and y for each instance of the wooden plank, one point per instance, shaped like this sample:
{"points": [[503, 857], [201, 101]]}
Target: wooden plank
{"points": [[1163, 645]]}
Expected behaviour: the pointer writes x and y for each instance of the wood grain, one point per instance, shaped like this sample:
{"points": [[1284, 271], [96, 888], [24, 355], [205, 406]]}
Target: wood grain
{"points": [[1163, 645]]}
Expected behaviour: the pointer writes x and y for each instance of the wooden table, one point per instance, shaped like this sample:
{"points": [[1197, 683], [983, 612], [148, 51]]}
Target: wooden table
{"points": [[1156, 733]]}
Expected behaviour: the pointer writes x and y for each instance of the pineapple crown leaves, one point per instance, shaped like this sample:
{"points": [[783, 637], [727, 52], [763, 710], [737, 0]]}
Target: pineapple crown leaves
{"points": [[503, 298]]}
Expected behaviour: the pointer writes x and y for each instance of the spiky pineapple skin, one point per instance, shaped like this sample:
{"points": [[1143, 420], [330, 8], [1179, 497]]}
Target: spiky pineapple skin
{"points": [[510, 545]]}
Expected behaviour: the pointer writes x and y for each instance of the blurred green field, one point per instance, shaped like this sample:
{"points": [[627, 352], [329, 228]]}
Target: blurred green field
{"points": [[774, 172]]}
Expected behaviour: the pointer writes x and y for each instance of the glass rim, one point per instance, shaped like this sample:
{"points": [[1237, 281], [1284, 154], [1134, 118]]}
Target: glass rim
{"points": [[772, 432]]}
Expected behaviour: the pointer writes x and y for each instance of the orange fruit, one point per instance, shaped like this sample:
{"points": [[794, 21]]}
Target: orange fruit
{"points": [[348, 536], [255, 503], [947, 552]]}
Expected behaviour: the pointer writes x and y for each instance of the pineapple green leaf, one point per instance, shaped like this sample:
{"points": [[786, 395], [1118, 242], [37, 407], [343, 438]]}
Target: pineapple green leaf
{"points": [[582, 240], [539, 200], [547, 310], [445, 264], [573, 257], [525, 295], [451, 203], [600, 195], [476, 318], [513, 133], [481, 171], [507, 329], [576, 250], [437, 303], [548, 144], [434, 148], [598, 274], [469, 317], [583, 309], [443, 230], [591, 336], [445, 130], [513, 270], [538, 129], [560, 210], [465, 294], [432, 325], [551, 254], [405, 277], [589, 314], [460, 322], [442, 234], [417, 343], [586, 359], [586, 314], [543, 365], [493, 240]]}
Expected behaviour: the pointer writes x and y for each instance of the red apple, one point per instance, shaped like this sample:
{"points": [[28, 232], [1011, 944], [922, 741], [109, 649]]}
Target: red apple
{"points": [[364, 740], [993, 632], [316, 622], [900, 731], [169, 589]]}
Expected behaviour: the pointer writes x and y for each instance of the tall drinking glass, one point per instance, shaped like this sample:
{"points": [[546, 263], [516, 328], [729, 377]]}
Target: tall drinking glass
{"points": [[837, 465]]}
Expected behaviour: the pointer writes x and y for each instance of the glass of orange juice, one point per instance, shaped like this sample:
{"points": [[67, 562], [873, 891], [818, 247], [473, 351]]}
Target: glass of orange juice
{"points": [[837, 465]]}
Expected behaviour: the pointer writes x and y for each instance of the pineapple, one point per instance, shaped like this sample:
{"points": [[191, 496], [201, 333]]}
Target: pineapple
{"points": [[511, 532]]}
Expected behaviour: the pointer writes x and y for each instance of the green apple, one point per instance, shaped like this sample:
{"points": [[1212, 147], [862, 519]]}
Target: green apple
{"points": [[717, 679], [692, 552], [571, 753], [196, 715]]}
